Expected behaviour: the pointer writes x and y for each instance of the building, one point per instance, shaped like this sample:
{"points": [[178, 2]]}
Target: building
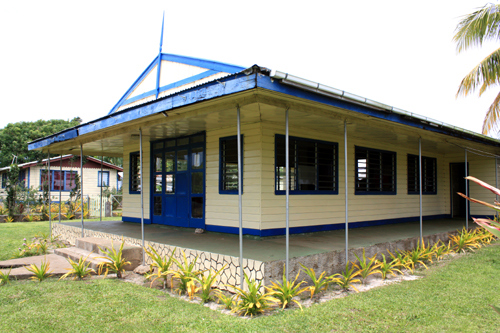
{"points": [[62, 175]]}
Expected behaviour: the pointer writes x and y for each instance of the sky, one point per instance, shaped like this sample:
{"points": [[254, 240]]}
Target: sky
{"points": [[66, 59]]}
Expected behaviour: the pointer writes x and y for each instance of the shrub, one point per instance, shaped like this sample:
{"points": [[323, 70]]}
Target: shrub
{"points": [[251, 302], [286, 290], [115, 262], [5, 277], [185, 273], [346, 278], [390, 267], [79, 269], [40, 273], [320, 283], [207, 284], [366, 266], [161, 264]]}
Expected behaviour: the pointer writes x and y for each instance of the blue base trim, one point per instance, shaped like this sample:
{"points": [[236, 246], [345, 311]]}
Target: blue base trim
{"points": [[135, 220], [323, 227]]}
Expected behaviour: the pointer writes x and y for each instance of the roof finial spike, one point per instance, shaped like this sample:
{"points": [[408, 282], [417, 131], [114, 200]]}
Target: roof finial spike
{"points": [[159, 58]]}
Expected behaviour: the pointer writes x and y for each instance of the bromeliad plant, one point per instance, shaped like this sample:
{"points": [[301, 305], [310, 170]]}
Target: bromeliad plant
{"points": [[5, 277], [206, 283], [286, 290], [114, 261], [366, 266], [228, 301], [318, 283], [346, 278], [465, 241], [161, 264], [40, 273], [253, 301], [186, 273], [79, 270], [390, 267]]}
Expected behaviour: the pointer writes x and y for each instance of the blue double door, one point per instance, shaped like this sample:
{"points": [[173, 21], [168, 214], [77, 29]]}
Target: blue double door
{"points": [[178, 182]]}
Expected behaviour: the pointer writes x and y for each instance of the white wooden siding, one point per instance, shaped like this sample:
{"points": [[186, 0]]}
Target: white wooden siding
{"points": [[132, 202]]}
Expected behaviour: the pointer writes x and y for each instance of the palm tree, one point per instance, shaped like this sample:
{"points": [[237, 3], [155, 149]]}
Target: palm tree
{"points": [[474, 29]]}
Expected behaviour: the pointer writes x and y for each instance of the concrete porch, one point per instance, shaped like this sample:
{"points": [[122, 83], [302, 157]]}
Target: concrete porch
{"points": [[264, 257]]}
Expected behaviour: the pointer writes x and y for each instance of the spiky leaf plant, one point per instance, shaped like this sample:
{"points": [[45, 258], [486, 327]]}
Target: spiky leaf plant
{"points": [[366, 266], [346, 278], [318, 283], [5, 277], [388, 267], [228, 301], [441, 250], [286, 290], [114, 261], [79, 270], [465, 241], [40, 273], [207, 282], [253, 301], [185, 272], [162, 265]]}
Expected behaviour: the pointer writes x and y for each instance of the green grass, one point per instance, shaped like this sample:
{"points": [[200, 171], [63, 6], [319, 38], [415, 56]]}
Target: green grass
{"points": [[452, 297]]}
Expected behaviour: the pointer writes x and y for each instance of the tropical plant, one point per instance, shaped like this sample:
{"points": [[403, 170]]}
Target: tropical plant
{"points": [[31, 218], [464, 241], [40, 273], [114, 261], [400, 257], [388, 267], [79, 270], [253, 301], [366, 266], [9, 219], [5, 277], [228, 301], [185, 272], [473, 30], [346, 278], [441, 250], [318, 283], [285, 290], [493, 226], [162, 265], [207, 284]]}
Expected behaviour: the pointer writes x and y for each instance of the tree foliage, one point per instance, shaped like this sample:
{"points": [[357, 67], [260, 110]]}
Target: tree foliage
{"points": [[472, 31], [14, 138]]}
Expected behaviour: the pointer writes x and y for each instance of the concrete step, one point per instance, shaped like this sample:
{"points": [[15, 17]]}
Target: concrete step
{"points": [[132, 253], [75, 254]]}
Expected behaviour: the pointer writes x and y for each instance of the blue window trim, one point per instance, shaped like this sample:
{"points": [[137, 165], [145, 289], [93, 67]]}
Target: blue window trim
{"points": [[99, 184], [358, 192], [130, 191], [433, 160], [65, 173], [221, 185], [307, 192]]}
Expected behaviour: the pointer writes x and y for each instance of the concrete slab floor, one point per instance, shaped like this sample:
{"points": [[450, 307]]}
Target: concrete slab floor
{"points": [[273, 248]]}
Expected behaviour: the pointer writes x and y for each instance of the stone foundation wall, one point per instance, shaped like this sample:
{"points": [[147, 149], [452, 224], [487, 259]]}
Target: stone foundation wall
{"points": [[334, 261], [206, 260]]}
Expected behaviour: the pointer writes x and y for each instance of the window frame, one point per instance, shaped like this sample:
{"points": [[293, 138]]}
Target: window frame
{"points": [[425, 160], [134, 155], [99, 183], [357, 191], [221, 168], [334, 145], [4, 179], [52, 179]]}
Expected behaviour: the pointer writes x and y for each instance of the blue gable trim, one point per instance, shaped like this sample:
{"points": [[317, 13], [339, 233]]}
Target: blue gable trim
{"points": [[208, 91], [171, 85], [323, 227], [58, 137], [209, 64]]}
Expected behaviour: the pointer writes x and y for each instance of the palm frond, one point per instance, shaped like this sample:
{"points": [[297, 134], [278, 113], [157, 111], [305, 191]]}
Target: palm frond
{"points": [[490, 122], [478, 27], [484, 75]]}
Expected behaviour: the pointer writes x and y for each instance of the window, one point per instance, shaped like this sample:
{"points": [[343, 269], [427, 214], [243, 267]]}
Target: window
{"points": [[429, 175], [313, 166], [103, 179], [375, 171], [4, 180], [59, 181], [135, 173], [228, 164]]}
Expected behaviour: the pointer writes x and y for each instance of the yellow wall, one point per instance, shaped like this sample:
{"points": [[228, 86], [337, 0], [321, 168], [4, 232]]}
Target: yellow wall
{"points": [[132, 202]]}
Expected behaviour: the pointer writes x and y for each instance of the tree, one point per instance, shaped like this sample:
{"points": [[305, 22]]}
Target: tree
{"points": [[473, 30], [14, 138]]}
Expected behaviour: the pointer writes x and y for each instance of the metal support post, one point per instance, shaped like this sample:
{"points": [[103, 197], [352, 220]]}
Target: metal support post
{"points": [[50, 201], [142, 196], [60, 187], [287, 191], [466, 193], [420, 186], [346, 196], [81, 185], [100, 198], [240, 177]]}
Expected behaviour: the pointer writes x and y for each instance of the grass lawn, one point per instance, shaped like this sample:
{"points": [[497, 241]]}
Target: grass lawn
{"points": [[453, 296]]}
